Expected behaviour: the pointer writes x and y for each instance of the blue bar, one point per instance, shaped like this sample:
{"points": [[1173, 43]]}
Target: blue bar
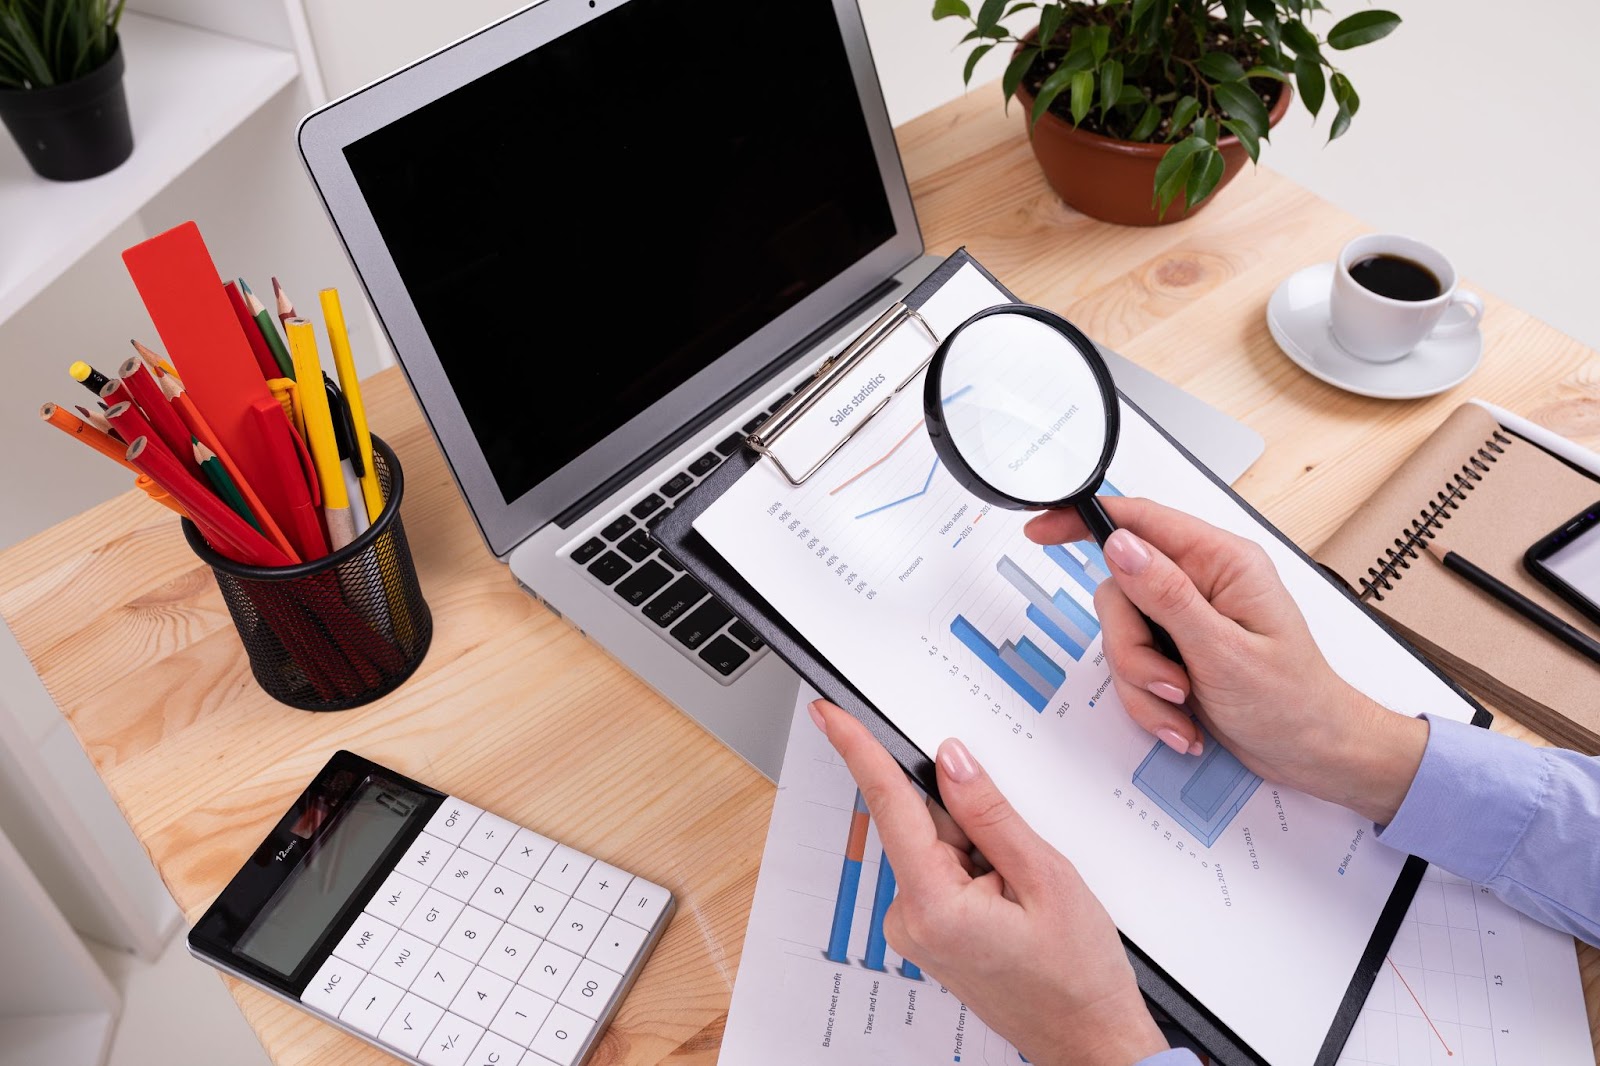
{"points": [[1053, 631], [968, 634], [1201, 792], [843, 911], [1075, 613], [1053, 674], [1108, 489], [881, 898], [910, 969], [1074, 569]]}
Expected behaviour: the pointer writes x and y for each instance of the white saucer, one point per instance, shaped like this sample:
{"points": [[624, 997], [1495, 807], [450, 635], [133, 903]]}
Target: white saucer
{"points": [[1297, 315]]}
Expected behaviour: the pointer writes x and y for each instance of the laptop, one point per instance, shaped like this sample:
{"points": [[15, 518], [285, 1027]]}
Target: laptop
{"points": [[606, 239]]}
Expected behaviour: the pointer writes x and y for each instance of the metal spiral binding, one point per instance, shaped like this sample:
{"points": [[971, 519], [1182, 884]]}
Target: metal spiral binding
{"points": [[1382, 576]]}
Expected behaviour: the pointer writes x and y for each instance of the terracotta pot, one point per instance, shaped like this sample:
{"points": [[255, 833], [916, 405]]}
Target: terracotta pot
{"points": [[1114, 180]]}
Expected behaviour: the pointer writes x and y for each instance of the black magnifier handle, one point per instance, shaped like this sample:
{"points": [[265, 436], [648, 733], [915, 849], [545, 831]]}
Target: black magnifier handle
{"points": [[1100, 527]]}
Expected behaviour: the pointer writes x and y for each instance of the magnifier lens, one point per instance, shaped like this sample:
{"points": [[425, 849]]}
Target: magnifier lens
{"points": [[1024, 408]]}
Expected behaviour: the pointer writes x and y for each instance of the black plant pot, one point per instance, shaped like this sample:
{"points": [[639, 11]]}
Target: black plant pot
{"points": [[76, 130]]}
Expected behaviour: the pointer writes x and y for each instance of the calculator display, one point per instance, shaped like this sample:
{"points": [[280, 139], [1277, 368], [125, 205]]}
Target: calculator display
{"points": [[341, 857]]}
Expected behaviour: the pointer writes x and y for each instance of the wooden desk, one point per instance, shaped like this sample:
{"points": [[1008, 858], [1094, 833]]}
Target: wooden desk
{"points": [[517, 712]]}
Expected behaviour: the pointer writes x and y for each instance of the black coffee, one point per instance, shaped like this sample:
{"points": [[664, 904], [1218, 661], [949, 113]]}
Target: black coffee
{"points": [[1396, 277]]}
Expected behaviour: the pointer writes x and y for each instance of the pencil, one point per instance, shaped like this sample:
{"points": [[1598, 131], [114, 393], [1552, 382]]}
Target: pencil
{"points": [[350, 384], [252, 329], [73, 426], [319, 434], [141, 384], [87, 376], [286, 309], [1556, 626], [97, 420], [226, 530], [269, 332], [208, 462]]}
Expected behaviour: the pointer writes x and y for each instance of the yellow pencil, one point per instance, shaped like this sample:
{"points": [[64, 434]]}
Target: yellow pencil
{"points": [[319, 432], [339, 341]]}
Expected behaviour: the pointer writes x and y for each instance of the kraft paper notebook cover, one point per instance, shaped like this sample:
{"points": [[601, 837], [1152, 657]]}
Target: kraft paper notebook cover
{"points": [[1480, 490]]}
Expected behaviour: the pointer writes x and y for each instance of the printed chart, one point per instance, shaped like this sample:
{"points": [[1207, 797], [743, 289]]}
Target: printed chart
{"points": [[844, 905]]}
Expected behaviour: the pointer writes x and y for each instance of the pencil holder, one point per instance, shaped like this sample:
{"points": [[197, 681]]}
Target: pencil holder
{"points": [[339, 631]]}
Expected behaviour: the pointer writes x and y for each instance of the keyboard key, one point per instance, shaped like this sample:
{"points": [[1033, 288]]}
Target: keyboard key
{"points": [[509, 953], [577, 927], [407, 956], [602, 886], [644, 583], [333, 986], [731, 444], [496, 1050], [617, 945], [442, 978], [489, 836], [462, 874], [371, 1006], [421, 860], [637, 546], [550, 970], [395, 898], [642, 903], [564, 869], [471, 934], [677, 484], [524, 1011], [364, 943], [452, 1041], [724, 656], [755, 423], [670, 605], [587, 550], [590, 989], [410, 1024], [699, 626], [779, 402], [480, 998], [527, 852], [538, 908], [746, 636], [454, 817], [500, 891], [609, 567], [434, 915], [655, 520], [647, 506], [562, 1036], [617, 528], [704, 465]]}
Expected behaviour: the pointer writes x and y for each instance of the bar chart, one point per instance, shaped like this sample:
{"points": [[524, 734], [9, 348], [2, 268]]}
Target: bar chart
{"points": [[844, 905], [1202, 792]]}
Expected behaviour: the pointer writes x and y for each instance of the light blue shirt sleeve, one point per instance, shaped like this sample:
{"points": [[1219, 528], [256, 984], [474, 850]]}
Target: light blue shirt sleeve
{"points": [[1521, 820], [1176, 1057]]}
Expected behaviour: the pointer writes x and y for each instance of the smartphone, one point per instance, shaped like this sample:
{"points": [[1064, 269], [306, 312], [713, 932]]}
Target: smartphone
{"points": [[1567, 561]]}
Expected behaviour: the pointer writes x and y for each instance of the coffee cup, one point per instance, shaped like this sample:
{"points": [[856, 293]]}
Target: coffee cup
{"points": [[1390, 293]]}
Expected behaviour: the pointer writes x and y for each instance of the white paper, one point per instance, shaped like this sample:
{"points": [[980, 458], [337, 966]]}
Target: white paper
{"points": [[881, 558]]}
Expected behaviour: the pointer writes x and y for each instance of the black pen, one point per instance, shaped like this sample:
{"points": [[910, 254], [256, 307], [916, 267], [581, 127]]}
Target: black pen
{"points": [[1569, 635]]}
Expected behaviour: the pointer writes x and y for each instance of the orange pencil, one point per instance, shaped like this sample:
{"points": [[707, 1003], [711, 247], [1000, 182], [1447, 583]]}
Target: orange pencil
{"points": [[144, 484], [74, 426], [231, 534]]}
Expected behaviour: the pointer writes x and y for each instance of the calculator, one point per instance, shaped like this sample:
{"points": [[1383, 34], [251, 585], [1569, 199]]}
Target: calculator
{"points": [[433, 929]]}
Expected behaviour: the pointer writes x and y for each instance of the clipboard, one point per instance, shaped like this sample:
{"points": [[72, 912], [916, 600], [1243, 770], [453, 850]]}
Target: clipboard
{"points": [[679, 539]]}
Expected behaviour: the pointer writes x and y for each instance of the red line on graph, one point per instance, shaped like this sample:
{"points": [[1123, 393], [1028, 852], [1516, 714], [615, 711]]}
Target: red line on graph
{"points": [[1420, 1007], [879, 462]]}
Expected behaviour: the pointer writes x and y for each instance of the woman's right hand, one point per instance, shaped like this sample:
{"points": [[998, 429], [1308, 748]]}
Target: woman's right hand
{"points": [[1251, 671]]}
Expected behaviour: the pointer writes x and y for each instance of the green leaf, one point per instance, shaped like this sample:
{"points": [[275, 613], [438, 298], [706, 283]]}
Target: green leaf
{"points": [[1099, 42], [1266, 13], [1247, 137], [1220, 66], [1049, 23], [989, 13], [1147, 124], [1140, 9], [1172, 173], [972, 61], [1082, 94], [1267, 72], [943, 9], [1344, 94], [1052, 87], [1183, 113], [1204, 174], [1015, 70], [1363, 27], [1308, 79], [1341, 122], [1235, 13], [1302, 40], [1129, 96], [1014, 8], [1110, 86], [1243, 104]]}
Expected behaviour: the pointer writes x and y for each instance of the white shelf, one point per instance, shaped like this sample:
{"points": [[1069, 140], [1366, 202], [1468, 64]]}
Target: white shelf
{"points": [[187, 90], [61, 1040]]}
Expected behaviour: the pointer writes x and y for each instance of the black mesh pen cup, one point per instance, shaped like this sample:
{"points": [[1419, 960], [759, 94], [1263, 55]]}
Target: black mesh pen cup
{"points": [[339, 631]]}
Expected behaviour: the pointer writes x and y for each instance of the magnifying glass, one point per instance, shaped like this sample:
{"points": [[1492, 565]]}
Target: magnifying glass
{"points": [[1022, 411]]}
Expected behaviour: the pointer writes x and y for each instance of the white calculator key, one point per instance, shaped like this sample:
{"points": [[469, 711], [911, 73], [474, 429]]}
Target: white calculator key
{"points": [[564, 869], [495, 1050], [462, 873], [537, 909], [404, 959], [451, 1041], [371, 1006], [509, 952], [471, 934], [642, 903], [499, 892], [452, 820], [550, 970], [440, 980], [527, 852], [480, 998], [422, 859], [562, 1035], [410, 1024], [334, 984], [602, 886], [577, 927], [617, 945], [433, 916], [533, 1058], [590, 989], [365, 941], [489, 836], [394, 900], [522, 1014]]}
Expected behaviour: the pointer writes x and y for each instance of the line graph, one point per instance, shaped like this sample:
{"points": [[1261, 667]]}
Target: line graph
{"points": [[1420, 1007], [904, 499], [886, 456]]}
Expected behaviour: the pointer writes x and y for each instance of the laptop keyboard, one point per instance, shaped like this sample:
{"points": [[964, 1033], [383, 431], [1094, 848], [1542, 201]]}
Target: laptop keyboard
{"points": [[625, 558]]}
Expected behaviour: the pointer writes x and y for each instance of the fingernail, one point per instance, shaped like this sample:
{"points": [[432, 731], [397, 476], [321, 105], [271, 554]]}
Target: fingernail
{"points": [[1170, 693], [1197, 747], [1174, 740], [816, 716], [958, 763], [1127, 551]]}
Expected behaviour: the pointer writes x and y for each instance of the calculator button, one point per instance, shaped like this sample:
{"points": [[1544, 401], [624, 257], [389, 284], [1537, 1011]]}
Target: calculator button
{"points": [[452, 820], [423, 858], [371, 1006], [500, 891], [590, 989], [472, 933], [435, 913], [524, 1011], [642, 903], [602, 886], [509, 952], [410, 1024], [577, 927], [462, 874], [404, 959], [333, 986], [490, 836], [442, 978], [562, 1035], [394, 900], [480, 998], [564, 869], [549, 971], [451, 1042], [536, 911], [527, 852], [495, 1050], [364, 943], [617, 945]]}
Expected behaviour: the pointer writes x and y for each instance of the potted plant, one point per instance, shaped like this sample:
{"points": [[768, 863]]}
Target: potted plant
{"points": [[1139, 110], [61, 85]]}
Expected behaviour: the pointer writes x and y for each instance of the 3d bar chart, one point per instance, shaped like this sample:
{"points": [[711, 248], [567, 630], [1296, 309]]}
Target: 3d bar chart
{"points": [[844, 907], [1202, 792]]}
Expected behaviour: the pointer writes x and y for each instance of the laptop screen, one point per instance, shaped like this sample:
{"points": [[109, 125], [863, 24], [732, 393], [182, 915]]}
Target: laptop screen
{"points": [[584, 228]]}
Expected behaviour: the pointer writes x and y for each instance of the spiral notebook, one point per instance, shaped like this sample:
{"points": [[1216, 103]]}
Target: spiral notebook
{"points": [[1478, 489]]}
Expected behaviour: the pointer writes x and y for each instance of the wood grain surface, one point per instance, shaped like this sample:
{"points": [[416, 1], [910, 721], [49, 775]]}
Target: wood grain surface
{"points": [[515, 711]]}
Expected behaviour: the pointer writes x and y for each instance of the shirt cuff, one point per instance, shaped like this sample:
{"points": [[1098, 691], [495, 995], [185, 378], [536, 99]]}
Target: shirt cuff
{"points": [[1176, 1057], [1471, 800]]}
